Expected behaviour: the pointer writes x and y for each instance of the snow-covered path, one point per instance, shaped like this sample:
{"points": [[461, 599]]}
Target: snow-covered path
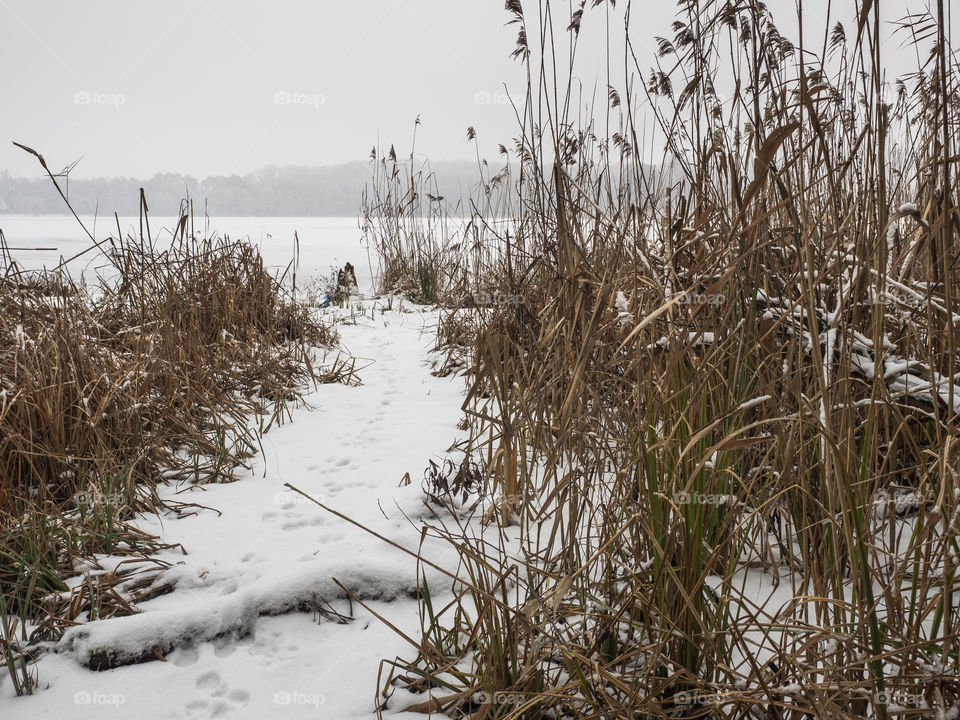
{"points": [[245, 646]]}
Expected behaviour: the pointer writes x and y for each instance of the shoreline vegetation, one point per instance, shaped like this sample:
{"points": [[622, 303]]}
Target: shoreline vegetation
{"points": [[715, 400], [722, 410], [169, 367]]}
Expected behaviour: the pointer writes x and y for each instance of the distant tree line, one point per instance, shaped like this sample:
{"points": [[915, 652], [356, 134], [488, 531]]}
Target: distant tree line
{"points": [[295, 191], [329, 191]]}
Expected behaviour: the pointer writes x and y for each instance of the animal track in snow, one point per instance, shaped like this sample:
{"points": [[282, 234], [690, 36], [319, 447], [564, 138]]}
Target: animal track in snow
{"points": [[208, 681], [184, 657], [223, 702], [297, 524], [224, 646]]}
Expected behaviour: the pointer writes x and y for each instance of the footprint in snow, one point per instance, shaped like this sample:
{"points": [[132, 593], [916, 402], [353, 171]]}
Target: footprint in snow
{"points": [[229, 588], [208, 681], [184, 656], [223, 701], [331, 537], [297, 524], [224, 646]]}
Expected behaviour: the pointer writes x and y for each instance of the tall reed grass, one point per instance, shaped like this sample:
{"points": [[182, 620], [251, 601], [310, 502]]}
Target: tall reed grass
{"points": [[717, 402], [166, 368]]}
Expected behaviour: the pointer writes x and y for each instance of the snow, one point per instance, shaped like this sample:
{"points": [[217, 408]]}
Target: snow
{"points": [[620, 302], [622, 307], [238, 634], [896, 370], [696, 339], [21, 337], [754, 402], [325, 243]]}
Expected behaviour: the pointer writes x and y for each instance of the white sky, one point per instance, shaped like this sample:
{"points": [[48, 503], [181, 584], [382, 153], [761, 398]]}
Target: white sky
{"points": [[200, 86]]}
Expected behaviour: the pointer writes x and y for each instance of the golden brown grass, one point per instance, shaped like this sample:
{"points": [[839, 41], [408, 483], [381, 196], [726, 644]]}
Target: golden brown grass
{"points": [[168, 368], [720, 410]]}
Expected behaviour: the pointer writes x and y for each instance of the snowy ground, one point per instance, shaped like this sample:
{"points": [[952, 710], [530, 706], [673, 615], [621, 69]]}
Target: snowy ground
{"points": [[243, 649], [325, 243]]}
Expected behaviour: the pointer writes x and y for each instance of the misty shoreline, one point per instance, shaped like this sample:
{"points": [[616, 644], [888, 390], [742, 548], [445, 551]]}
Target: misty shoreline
{"points": [[296, 191]]}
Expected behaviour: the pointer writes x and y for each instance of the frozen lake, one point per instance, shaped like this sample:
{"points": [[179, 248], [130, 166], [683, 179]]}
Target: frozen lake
{"points": [[325, 243]]}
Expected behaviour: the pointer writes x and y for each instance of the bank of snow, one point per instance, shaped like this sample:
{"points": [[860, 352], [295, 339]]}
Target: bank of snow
{"points": [[240, 635]]}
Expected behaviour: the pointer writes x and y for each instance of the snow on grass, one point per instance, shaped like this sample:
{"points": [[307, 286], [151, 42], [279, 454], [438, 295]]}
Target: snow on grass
{"points": [[239, 631], [222, 610]]}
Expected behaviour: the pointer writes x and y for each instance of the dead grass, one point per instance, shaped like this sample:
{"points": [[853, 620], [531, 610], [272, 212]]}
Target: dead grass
{"points": [[166, 369], [720, 409]]}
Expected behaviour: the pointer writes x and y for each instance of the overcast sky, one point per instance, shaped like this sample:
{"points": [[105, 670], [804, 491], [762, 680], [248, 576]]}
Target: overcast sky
{"points": [[213, 87]]}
